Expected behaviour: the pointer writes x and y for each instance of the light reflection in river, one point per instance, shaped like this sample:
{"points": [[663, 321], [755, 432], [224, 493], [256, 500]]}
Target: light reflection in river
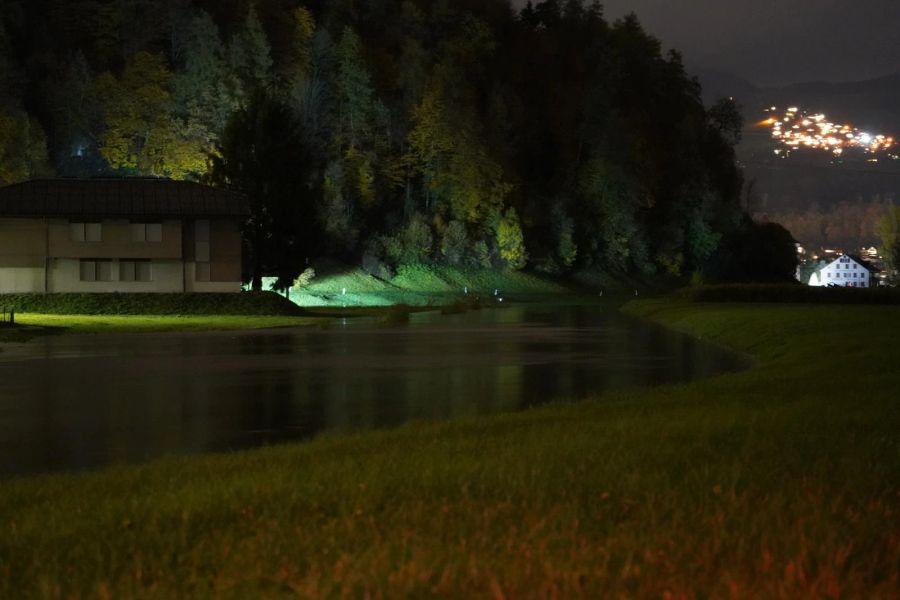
{"points": [[73, 402]]}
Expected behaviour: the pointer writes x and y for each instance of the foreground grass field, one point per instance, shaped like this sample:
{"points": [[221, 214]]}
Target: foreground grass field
{"points": [[782, 481]]}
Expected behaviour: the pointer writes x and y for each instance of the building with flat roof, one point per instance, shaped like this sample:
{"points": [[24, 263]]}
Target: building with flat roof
{"points": [[119, 235]]}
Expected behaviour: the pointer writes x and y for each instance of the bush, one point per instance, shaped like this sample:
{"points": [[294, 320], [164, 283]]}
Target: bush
{"points": [[564, 226], [413, 245], [481, 255], [418, 241], [790, 293], [455, 243], [374, 261], [511, 240], [305, 278], [245, 303], [755, 252]]}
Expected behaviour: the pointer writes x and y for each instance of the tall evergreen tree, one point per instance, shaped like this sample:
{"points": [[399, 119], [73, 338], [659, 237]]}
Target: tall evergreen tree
{"points": [[250, 55]]}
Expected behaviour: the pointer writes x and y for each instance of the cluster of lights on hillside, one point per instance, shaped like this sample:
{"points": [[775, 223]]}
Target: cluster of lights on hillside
{"points": [[795, 128]]}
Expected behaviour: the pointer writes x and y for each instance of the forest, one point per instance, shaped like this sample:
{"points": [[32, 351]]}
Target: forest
{"points": [[391, 132]]}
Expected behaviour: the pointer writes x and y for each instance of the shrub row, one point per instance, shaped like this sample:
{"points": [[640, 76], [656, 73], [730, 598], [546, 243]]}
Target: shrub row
{"points": [[245, 303], [794, 293]]}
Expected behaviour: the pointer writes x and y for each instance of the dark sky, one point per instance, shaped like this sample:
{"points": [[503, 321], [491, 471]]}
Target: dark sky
{"points": [[773, 42]]}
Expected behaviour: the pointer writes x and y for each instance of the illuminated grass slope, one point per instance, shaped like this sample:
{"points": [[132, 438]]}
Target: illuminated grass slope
{"points": [[419, 285], [778, 482]]}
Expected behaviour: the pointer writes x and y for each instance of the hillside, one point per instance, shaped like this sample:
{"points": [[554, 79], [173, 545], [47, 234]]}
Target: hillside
{"points": [[822, 199]]}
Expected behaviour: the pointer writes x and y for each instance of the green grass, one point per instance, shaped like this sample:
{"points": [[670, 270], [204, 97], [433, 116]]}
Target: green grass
{"points": [[39, 314], [781, 481], [789, 292], [156, 323], [247, 303], [418, 285]]}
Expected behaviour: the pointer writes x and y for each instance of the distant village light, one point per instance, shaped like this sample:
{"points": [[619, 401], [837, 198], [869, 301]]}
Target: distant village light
{"points": [[796, 129]]}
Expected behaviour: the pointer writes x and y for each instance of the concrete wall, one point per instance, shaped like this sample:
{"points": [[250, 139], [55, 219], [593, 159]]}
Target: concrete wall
{"points": [[22, 243], [21, 280], [225, 252], [192, 285], [65, 277], [224, 249]]}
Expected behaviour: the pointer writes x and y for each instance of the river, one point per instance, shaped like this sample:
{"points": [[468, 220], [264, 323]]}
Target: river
{"points": [[84, 401]]}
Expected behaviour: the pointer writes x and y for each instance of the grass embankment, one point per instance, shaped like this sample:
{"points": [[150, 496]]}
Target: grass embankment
{"points": [[420, 285], [38, 314], [246, 303], [782, 481]]}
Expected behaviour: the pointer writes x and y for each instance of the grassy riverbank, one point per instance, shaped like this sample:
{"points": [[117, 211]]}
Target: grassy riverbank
{"points": [[782, 481], [142, 304], [156, 323], [421, 285], [50, 314]]}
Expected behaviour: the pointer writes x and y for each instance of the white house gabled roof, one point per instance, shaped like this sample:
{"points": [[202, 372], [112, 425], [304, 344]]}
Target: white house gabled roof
{"points": [[854, 259]]}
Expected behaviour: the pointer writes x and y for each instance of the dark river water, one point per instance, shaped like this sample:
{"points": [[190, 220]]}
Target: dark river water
{"points": [[76, 402]]}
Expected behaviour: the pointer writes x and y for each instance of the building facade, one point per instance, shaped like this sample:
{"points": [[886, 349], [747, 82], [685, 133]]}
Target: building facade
{"points": [[844, 271], [119, 235]]}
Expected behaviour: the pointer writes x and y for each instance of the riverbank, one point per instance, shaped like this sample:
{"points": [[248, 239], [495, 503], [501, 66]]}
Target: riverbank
{"points": [[338, 285], [782, 481], [39, 315], [337, 292]]}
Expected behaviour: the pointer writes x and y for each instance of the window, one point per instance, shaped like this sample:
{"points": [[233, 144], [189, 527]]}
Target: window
{"points": [[86, 232], [135, 270], [88, 270], [855, 266], [126, 270], [104, 270], [96, 269], [201, 250], [93, 232], [143, 270], [146, 232], [201, 240], [202, 273]]}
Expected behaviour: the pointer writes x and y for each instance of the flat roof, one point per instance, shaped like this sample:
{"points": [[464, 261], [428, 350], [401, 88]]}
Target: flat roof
{"points": [[126, 197]]}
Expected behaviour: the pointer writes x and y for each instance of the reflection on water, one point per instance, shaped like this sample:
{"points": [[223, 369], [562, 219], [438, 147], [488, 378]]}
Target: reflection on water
{"points": [[85, 401]]}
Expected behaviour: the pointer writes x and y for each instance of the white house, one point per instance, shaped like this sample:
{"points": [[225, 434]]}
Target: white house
{"points": [[844, 271]]}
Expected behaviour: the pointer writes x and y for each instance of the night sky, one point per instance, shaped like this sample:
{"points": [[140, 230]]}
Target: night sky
{"points": [[775, 42]]}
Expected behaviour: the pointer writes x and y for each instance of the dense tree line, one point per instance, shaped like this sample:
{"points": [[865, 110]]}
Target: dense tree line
{"points": [[388, 131], [847, 225]]}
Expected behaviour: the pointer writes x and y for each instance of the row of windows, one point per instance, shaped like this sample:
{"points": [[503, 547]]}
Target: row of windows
{"points": [[855, 266], [104, 269], [93, 232], [847, 275]]}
